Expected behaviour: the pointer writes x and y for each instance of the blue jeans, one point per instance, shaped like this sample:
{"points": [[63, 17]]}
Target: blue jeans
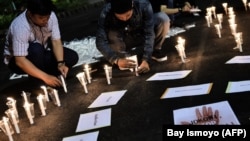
{"points": [[162, 25], [45, 59]]}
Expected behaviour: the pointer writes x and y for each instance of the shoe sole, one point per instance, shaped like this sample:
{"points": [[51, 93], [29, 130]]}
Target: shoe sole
{"points": [[160, 59]]}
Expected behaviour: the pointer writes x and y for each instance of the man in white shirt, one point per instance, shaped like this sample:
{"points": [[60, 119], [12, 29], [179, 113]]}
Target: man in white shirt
{"points": [[28, 49]]}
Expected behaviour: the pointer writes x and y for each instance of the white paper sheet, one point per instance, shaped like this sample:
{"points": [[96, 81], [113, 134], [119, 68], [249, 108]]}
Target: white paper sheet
{"points": [[239, 60], [107, 99], [239, 86], [94, 120], [189, 115], [195, 10], [169, 75], [83, 137], [187, 91]]}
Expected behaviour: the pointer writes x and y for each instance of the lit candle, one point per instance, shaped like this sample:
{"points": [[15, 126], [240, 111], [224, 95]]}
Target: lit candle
{"points": [[181, 41], [58, 103], [82, 79], [233, 28], [87, 72], [210, 19], [11, 103], [25, 97], [12, 116], [207, 19], [106, 68], [134, 58], [239, 41], [41, 102], [8, 128], [45, 92], [230, 10], [180, 51], [225, 7], [220, 19], [64, 84], [245, 4], [213, 10], [217, 27], [29, 109]]}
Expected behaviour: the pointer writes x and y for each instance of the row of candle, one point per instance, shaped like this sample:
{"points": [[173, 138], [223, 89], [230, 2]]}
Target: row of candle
{"points": [[12, 118], [85, 76], [230, 12]]}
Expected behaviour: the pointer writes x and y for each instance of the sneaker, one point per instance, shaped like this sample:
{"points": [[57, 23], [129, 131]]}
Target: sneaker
{"points": [[158, 56]]}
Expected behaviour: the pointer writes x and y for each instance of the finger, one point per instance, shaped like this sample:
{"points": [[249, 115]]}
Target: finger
{"points": [[198, 114], [217, 117], [204, 111], [216, 114], [210, 111]]}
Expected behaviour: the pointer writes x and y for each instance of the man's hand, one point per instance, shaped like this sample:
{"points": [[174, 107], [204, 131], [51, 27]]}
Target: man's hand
{"points": [[63, 69], [144, 67], [187, 7], [126, 63], [52, 81], [207, 117]]}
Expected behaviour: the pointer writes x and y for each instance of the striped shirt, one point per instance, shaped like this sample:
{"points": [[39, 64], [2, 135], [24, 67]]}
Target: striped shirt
{"points": [[21, 32]]}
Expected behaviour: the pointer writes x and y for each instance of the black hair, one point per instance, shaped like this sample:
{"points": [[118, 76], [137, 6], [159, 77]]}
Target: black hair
{"points": [[40, 7], [121, 6]]}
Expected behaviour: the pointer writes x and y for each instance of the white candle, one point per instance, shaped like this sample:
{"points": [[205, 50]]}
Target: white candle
{"points": [[81, 78], [27, 106], [12, 116], [7, 128], [40, 99], [225, 7], [181, 41], [239, 41], [25, 97], [45, 92], [220, 19], [107, 74], [58, 103], [134, 58], [217, 27], [230, 10], [64, 84], [207, 19], [213, 9], [233, 28], [11, 103], [87, 72], [245, 4], [180, 52]]}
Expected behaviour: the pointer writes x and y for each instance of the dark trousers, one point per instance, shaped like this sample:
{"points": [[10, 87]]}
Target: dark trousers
{"points": [[44, 59]]}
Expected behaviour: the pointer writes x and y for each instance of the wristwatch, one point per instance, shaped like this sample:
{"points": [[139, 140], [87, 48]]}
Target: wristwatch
{"points": [[180, 10], [60, 63], [116, 61]]}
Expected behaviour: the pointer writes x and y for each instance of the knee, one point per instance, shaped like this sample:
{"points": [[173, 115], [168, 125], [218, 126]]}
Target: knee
{"points": [[35, 49]]}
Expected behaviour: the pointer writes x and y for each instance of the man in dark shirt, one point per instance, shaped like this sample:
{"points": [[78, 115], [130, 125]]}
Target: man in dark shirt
{"points": [[126, 27]]}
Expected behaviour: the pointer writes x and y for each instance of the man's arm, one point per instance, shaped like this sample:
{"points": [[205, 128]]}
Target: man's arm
{"points": [[102, 42], [58, 52], [29, 68]]}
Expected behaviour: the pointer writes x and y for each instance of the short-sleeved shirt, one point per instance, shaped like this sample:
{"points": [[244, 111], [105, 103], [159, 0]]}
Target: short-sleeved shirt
{"points": [[22, 31]]}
